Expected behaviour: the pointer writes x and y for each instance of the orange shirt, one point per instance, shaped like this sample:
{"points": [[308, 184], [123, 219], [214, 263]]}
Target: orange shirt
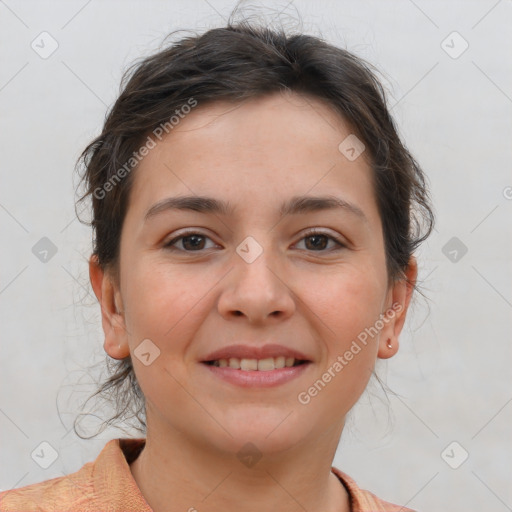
{"points": [[107, 485]]}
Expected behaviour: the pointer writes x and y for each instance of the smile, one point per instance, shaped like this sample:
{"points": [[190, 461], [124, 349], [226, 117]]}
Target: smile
{"points": [[263, 365], [254, 373]]}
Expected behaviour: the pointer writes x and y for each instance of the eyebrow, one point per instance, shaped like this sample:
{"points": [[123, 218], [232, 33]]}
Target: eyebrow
{"points": [[295, 205]]}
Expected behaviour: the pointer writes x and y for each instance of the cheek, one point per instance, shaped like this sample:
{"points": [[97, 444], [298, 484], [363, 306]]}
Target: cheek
{"points": [[164, 307], [155, 301], [347, 301], [347, 305], [167, 306]]}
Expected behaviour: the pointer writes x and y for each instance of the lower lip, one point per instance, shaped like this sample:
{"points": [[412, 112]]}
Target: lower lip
{"points": [[257, 378]]}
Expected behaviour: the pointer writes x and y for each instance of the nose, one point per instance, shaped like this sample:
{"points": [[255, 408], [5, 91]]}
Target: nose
{"points": [[257, 290]]}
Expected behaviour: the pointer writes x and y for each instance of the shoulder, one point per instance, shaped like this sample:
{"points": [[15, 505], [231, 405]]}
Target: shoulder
{"points": [[70, 491], [104, 484], [362, 500]]}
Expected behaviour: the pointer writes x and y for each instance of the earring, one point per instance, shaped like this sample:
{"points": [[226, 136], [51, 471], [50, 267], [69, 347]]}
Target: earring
{"points": [[389, 343]]}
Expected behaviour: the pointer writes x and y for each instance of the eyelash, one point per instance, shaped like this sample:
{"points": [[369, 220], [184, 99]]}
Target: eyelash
{"points": [[313, 232]]}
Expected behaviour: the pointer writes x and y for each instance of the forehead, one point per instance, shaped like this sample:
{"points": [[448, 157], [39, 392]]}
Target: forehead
{"points": [[274, 146]]}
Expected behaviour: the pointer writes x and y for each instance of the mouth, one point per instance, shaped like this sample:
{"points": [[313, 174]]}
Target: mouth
{"points": [[256, 373], [262, 365]]}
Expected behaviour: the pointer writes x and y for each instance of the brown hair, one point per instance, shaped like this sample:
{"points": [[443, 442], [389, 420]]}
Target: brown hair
{"points": [[238, 62]]}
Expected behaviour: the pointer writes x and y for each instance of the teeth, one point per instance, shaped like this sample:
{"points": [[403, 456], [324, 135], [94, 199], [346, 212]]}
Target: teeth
{"points": [[263, 365], [248, 364]]}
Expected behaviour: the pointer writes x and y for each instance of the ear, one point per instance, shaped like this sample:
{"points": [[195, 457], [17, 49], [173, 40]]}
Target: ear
{"points": [[112, 316], [397, 304]]}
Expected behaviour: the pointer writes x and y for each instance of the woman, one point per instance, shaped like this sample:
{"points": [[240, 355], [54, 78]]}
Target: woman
{"points": [[255, 217]]}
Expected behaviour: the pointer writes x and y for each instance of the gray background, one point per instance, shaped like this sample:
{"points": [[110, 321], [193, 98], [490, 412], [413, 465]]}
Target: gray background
{"points": [[452, 373]]}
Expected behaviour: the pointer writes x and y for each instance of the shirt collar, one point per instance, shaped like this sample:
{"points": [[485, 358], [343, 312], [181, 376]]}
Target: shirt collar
{"points": [[112, 477]]}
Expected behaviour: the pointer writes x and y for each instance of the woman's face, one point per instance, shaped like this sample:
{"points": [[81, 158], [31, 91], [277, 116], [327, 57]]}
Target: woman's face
{"points": [[252, 276]]}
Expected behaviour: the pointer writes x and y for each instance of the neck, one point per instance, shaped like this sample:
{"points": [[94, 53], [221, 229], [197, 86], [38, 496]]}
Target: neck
{"points": [[174, 475]]}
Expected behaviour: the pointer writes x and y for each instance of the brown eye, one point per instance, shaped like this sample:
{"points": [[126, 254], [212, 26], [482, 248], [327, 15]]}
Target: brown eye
{"points": [[191, 242], [318, 241]]}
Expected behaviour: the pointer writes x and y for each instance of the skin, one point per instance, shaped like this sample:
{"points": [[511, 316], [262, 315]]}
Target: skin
{"points": [[256, 155]]}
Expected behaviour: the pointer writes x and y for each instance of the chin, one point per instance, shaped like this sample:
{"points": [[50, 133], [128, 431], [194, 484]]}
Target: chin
{"points": [[270, 431]]}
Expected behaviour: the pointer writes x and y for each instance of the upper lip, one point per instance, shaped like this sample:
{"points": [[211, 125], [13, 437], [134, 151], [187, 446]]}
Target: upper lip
{"points": [[255, 352]]}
